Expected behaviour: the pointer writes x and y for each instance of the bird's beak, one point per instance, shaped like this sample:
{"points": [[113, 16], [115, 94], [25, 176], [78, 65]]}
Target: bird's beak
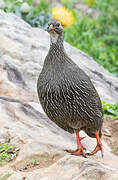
{"points": [[50, 28]]}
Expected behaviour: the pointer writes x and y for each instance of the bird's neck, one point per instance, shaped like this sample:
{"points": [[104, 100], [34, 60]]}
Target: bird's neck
{"points": [[56, 54], [56, 44]]}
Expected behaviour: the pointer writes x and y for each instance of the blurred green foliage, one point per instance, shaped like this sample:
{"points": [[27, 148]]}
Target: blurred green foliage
{"points": [[68, 3], [5, 177], [110, 109], [36, 16], [98, 37], [89, 2]]}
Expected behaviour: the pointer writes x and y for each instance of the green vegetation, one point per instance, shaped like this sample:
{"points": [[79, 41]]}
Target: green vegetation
{"points": [[89, 2], [98, 37], [36, 16], [68, 3], [34, 162], [110, 109], [7, 153], [5, 176]]}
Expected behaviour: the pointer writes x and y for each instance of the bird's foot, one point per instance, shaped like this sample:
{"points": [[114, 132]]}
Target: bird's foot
{"points": [[97, 148], [80, 148], [73, 151], [77, 152]]}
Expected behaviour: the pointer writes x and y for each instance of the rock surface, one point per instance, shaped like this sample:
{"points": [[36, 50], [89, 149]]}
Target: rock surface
{"points": [[22, 120]]}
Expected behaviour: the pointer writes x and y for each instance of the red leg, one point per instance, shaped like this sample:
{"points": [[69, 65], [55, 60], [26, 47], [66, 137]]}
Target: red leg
{"points": [[98, 146], [80, 148]]}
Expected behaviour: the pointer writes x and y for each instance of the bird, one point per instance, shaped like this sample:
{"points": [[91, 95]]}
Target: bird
{"points": [[67, 95]]}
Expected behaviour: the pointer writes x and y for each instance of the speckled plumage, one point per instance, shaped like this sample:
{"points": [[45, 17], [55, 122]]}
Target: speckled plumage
{"points": [[67, 94]]}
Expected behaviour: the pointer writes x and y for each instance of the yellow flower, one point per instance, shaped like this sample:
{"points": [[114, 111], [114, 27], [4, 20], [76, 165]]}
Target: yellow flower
{"points": [[63, 15]]}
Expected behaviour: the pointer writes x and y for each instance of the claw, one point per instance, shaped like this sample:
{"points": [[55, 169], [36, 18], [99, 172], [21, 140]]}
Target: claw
{"points": [[80, 148], [81, 138], [79, 152], [71, 151]]}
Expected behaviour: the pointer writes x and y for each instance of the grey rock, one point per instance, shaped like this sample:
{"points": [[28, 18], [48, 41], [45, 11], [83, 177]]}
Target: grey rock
{"points": [[38, 138], [22, 120], [24, 48]]}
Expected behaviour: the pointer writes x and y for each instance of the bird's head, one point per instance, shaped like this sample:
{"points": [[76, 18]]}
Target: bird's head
{"points": [[55, 30], [55, 27]]}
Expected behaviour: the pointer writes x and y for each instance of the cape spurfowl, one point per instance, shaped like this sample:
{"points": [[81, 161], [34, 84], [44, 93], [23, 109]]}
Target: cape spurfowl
{"points": [[67, 94]]}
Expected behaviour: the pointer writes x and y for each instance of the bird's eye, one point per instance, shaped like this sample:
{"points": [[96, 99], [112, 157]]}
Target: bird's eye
{"points": [[58, 25]]}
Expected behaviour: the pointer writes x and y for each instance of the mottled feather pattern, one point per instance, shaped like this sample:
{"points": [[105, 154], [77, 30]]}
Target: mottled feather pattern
{"points": [[67, 95]]}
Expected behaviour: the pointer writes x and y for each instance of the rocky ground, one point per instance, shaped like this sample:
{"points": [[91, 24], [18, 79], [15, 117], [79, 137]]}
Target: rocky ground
{"points": [[40, 143], [110, 134]]}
